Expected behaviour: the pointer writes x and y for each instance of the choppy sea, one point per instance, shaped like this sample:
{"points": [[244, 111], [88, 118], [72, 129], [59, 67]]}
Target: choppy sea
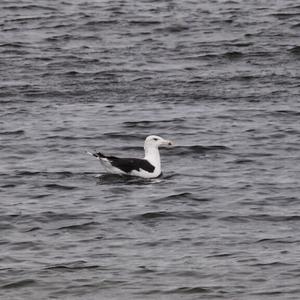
{"points": [[220, 78]]}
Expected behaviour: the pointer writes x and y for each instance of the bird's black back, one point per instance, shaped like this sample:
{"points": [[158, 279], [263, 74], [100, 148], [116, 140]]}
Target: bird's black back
{"points": [[129, 164]]}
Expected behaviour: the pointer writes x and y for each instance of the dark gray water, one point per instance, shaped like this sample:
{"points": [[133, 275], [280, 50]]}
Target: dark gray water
{"points": [[220, 78]]}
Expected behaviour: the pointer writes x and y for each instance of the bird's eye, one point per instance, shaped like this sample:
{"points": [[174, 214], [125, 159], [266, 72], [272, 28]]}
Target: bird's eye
{"points": [[155, 139]]}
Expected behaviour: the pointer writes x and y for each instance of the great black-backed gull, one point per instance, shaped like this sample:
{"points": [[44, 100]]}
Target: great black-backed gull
{"points": [[148, 167]]}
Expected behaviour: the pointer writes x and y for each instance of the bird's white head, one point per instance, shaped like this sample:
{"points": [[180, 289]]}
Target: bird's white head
{"points": [[156, 141]]}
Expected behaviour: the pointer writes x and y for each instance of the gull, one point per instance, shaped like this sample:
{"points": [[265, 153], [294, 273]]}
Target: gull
{"points": [[147, 167]]}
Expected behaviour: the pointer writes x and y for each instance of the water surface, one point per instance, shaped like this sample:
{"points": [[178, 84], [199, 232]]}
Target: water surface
{"points": [[220, 78]]}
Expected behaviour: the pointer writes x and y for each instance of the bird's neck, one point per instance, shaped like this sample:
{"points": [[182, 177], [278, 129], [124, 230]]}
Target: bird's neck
{"points": [[152, 155]]}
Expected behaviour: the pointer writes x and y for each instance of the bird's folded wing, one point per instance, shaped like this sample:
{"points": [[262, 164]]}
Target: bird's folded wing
{"points": [[129, 164]]}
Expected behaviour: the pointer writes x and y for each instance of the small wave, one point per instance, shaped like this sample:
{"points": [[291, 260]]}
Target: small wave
{"points": [[246, 78], [14, 132], [47, 216], [143, 78], [15, 52], [282, 200], [59, 186], [122, 136], [27, 173], [13, 45], [71, 73], [287, 112], [144, 23], [5, 226], [221, 255], [295, 50], [51, 175], [242, 161], [195, 149], [233, 55], [23, 245], [73, 266], [171, 176], [270, 293], [240, 44], [266, 154], [63, 267], [70, 138], [31, 7], [296, 26], [260, 217], [284, 16], [84, 226], [9, 185], [188, 290], [63, 37], [182, 196], [172, 215], [144, 270], [276, 241], [154, 215], [175, 28], [40, 196], [101, 22], [273, 263], [126, 179], [148, 123], [32, 229], [235, 219], [19, 284]]}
